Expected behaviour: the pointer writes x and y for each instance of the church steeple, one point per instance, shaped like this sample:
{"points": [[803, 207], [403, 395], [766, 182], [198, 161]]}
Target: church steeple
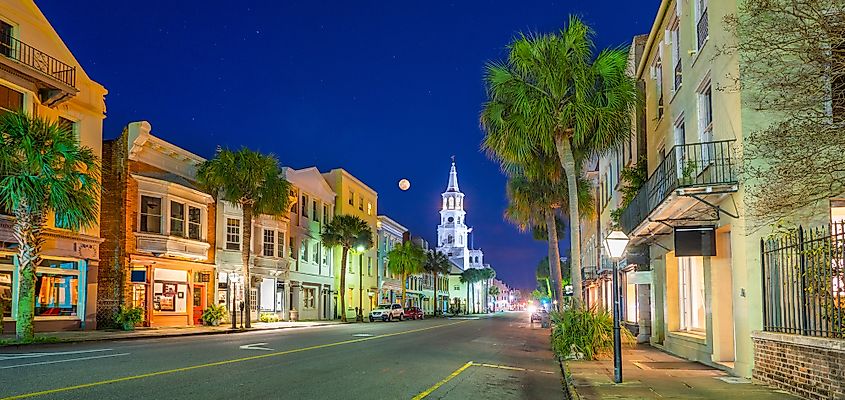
{"points": [[453, 178]]}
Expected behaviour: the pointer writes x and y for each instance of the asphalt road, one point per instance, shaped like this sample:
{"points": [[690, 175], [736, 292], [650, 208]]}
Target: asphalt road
{"points": [[492, 357]]}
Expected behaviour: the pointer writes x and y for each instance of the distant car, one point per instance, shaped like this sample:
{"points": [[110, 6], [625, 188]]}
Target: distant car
{"points": [[414, 313], [387, 312], [539, 315]]}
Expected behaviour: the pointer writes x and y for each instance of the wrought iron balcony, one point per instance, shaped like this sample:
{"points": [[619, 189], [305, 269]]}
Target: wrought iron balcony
{"points": [[698, 165], [54, 80], [702, 29]]}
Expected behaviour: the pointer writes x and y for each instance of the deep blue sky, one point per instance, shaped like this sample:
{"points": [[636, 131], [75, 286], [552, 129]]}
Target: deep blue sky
{"points": [[385, 89]]}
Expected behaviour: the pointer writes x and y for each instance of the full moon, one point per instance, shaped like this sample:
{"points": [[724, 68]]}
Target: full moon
{"points": [[404, 184]]}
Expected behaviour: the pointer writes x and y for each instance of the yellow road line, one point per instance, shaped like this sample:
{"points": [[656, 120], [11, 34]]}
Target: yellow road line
{"points": [[218, 363], [501, 367], [442, 382]]}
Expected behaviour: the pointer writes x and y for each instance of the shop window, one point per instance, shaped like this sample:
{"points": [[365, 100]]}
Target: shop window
{"points": [[6, 268], [194, 223], [308, 297], [150, 214], [269, 242], [56, 288], [233, 234], [630, 298], [177, 219], [10, 100], [691, 294]]}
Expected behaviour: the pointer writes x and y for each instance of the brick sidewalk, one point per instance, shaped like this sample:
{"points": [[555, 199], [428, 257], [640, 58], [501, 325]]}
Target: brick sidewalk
{"points": [[140, 333], [649, 373]]}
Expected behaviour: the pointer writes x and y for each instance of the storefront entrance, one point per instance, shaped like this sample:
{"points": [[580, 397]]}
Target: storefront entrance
{"points": [[199, 302]]}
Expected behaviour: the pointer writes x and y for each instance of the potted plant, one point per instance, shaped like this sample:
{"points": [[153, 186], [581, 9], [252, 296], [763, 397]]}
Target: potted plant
{"points": [[128, 317], [213, 315]]}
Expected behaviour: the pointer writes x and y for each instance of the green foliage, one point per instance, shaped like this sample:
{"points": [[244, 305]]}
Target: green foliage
{"points": [[32, 340], [348, 232], [246, 178], [494, 291], [128, 317], [579, 332], [541, 297], [436, 263], [213, 314], [268, 317], [633, 178], [688, 172], [406, 259]]}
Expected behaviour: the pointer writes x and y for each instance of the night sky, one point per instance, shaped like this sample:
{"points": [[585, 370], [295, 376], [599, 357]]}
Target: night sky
{"points": [[384, 89]]}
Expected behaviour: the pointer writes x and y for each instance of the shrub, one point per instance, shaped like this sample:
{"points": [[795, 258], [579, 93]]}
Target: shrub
{"points": [[213, 314], [268, 317], [585, 333], [128, 317]]}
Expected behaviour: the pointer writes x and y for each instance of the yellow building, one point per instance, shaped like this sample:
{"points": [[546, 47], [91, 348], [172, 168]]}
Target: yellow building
{"points": [[354, 197], [39, 75]]}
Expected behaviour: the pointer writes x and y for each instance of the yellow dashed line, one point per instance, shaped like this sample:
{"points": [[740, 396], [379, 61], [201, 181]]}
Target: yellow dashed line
{"points": [[224, 362], [442, 382]]}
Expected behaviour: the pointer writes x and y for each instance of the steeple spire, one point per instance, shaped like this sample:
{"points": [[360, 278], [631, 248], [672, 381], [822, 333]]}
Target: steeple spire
{"points": [[453, 178]]}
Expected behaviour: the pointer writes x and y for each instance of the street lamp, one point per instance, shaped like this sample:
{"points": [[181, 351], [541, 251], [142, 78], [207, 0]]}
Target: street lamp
{"points": [[615, 244]]}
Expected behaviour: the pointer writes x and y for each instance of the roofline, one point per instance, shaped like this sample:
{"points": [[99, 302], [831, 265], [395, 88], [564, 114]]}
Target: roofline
{"points": [[655, 28], [391, 221], [353, 178], [144, 129]]}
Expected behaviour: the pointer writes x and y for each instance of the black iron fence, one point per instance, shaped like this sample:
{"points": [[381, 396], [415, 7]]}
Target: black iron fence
{"points": [[804, 281], [688, 165], [36, 59]]}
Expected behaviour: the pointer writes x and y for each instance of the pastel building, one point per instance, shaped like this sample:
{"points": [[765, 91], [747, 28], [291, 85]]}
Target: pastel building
{"points": [[39, 75]]}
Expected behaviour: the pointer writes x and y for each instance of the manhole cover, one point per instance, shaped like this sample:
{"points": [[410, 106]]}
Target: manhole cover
{"points": [[682, 365], [362, 335]]}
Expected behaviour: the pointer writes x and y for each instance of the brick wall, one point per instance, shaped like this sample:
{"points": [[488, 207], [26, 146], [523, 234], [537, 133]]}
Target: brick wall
{"points": [[113, 230], [809, 367]]}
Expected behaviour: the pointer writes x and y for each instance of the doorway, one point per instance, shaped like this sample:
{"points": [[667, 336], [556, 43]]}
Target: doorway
{"points": [[199, 303]]}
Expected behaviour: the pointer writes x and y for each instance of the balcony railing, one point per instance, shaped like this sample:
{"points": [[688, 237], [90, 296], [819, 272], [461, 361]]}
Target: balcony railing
{"points": [[688, 165], [702, 28], [37, 59]]}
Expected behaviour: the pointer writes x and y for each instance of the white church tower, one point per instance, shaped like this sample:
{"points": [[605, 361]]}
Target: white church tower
{"points": [[453, 233]]}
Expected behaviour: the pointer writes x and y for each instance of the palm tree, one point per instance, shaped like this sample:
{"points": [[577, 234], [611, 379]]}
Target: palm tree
{"points": [[253, 181], [406, 259], [43, 168], [468, 277], [348, 232], [535, 196], [494, 291], [487, 274], [437, 264], [554, 96]]}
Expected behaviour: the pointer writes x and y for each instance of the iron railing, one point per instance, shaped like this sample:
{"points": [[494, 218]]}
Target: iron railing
{"points": [[36, 59], [688, 165], [804, 281], [702, 30]]}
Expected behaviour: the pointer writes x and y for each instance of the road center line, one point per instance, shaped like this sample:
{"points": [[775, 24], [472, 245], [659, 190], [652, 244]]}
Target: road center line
{"points": [[442, 382], [218, 363], [65, 360]]}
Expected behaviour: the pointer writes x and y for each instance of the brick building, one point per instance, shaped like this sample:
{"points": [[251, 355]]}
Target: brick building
{"points": [[158, 231]]}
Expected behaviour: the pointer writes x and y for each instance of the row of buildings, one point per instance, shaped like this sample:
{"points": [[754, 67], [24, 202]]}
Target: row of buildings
{"points": [[692, 281], [168, 247]]}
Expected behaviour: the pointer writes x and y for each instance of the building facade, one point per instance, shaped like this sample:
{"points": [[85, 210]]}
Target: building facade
{"points": [[158, 231], [390, 234], [354, 197], [39, 75]]}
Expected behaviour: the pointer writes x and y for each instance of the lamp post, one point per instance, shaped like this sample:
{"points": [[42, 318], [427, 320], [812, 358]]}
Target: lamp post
{"points": [[615, 244]]}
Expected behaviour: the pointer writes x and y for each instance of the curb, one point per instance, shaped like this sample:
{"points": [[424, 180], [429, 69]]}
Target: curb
{"points": [[569, 392], [166, 335]]}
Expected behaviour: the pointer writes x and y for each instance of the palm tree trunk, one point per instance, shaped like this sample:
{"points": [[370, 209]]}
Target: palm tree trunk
{"points": [[567, 161], [246, 248], [28, 232], [554, 256], [342, 292], [360, 316], [467, 310], [404, 289]]}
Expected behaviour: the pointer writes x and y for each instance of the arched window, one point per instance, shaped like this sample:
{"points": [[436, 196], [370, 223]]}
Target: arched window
{"points": [[450, 240], [451, 203]]}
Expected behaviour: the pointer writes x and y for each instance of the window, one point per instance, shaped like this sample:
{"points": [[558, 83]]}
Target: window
{"points": [[5, 39], [177, 219], [349, 300], [269, 242], [292, 247], [253, 298], [280, 245], [702, 30], [194, 223], [315, 252], [295, 207], [361, 203], [370, 266], [314, 215], [67, 124], [150, 214], [304, 206], [369, 208], [303, 250], [325, 214], [325, 254], [705, 113], [351, 198], [10, 100], [308, 297], [57, 288], [6, 269], [630, 298], [657, 75], [691, 294], [233, 234], [675, 37]]}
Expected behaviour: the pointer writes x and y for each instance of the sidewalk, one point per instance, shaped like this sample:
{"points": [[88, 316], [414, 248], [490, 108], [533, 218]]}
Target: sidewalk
{"points": [[649, 373], [141, 333]]}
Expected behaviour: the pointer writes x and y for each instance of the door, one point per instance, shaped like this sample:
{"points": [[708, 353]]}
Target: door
{"points": [[199, 303]]}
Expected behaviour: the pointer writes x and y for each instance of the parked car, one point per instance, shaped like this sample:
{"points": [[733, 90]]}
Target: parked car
{"points": [[387, 312], [539, 315], [414, 313]]}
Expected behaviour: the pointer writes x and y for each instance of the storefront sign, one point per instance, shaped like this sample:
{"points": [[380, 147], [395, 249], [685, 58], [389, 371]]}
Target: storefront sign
{"points": [[640, 278]]}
